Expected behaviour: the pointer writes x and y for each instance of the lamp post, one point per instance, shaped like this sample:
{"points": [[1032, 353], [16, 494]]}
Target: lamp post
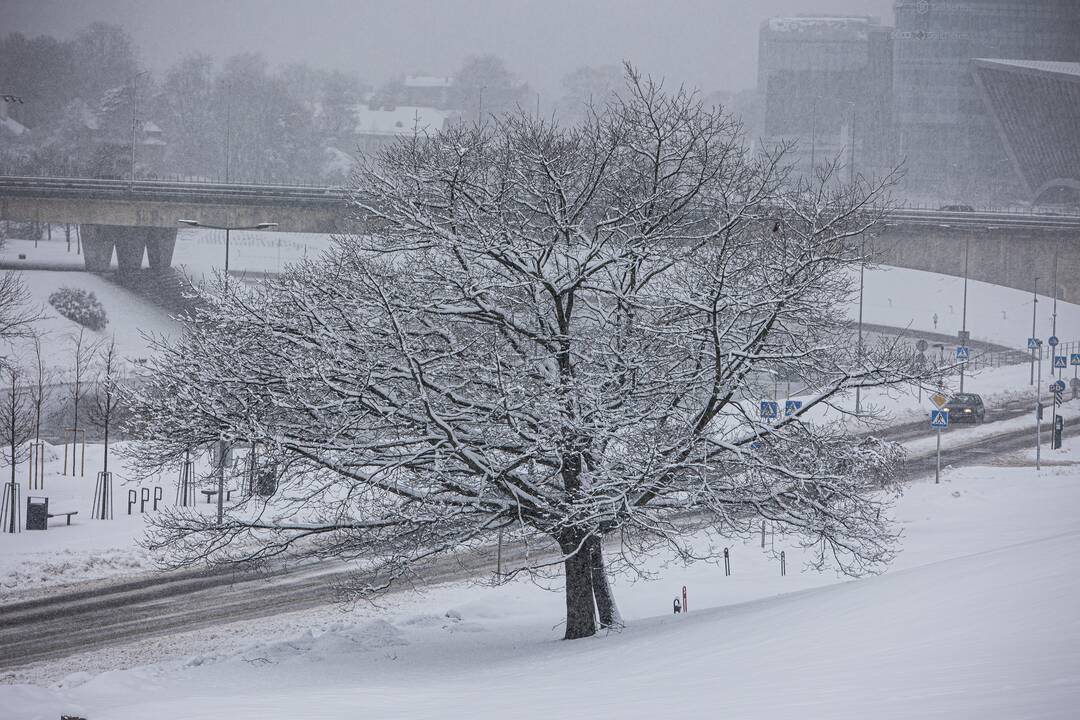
{"points": [[963, 320], [862, 272], [197, 224], [134, 108], [1034, 309]]}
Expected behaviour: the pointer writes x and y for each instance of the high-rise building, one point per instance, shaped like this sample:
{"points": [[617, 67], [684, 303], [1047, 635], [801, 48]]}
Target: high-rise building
{"points": [[944, 131], [824, 82]]}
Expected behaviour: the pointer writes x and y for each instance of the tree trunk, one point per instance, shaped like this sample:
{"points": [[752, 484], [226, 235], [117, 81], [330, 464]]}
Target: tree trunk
{"points": [[580, 608], [605, 599]]}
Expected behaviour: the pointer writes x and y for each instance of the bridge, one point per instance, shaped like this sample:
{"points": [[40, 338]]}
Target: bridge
{"points": [[1005, 247], [142, 215]]}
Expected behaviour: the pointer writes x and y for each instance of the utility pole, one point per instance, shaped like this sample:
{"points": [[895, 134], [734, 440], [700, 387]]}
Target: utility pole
{"points": [[1053, 321], [1034, 308], [963, 320], [134, 115], [1038, 418], [858, 352]]}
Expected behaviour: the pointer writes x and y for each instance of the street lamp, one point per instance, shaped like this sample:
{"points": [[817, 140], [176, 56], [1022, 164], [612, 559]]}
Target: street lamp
{"points": [[134, 106], [862, 272], [963, 320], [197, 224], [1034, 310]]}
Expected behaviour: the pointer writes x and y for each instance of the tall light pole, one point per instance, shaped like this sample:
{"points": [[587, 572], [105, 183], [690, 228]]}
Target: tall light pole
{"points": [[1034, 309], [1053, 322], [963, 320], [862, 272], [851, 168], [221, 443], [134, 108], [197, 224]]}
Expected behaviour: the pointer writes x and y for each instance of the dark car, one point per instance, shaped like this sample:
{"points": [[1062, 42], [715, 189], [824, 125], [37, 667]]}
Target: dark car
{"points": [[957, 208], [965, 407]]}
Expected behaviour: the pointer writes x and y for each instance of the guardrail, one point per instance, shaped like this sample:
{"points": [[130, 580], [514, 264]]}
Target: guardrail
{"points": [[247, 191]]}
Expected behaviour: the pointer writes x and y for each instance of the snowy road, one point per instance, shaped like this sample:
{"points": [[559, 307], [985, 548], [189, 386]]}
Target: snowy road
{"points": [[117, 613]]}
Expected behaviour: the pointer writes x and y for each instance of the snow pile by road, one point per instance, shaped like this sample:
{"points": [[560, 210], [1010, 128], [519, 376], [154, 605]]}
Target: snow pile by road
{"points": [[977, 618]]}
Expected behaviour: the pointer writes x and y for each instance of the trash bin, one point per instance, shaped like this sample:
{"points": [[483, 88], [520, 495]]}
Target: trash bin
{"points": [[266, 480], [37, 513]]}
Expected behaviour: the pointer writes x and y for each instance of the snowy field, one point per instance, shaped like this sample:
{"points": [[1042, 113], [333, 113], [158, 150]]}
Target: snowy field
{"points": [[976, 619]]}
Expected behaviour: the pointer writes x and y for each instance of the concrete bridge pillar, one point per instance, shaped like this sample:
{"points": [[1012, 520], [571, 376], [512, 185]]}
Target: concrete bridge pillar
{"points": [[130, 245], [97, 244], [160, 244]]}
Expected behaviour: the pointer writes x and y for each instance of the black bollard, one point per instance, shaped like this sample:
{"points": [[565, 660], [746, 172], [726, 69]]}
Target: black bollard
{"points": [[157, 496], [783, 564], [132, 499], [144, 498], [762, 534], [727, 563]]}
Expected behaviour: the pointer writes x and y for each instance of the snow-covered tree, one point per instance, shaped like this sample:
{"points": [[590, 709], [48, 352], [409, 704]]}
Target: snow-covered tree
{"points": [[105, 407], [558, 333]]}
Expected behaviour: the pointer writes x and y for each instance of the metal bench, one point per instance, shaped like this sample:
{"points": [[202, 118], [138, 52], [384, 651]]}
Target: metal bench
{"points": [[68, 514]]}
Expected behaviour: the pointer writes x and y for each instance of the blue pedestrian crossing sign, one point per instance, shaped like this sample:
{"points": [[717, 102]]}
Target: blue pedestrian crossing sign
{"points": [[939, 419], [1033, 343], [963, 353], [792, 406], [1053, 341], [1074, 358], [1060, 362], [769, 409]]}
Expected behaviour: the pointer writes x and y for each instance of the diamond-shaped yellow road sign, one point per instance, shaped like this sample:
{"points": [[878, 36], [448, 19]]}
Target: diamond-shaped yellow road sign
{"points": [[938, 399]]}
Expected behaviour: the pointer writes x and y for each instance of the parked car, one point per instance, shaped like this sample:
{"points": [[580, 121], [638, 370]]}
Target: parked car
{"points": [[957, 208], [965, 407]]}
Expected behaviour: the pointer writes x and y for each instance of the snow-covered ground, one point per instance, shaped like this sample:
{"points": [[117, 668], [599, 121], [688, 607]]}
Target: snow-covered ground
{"points": [[977, 618], [130, 318], [895, 297]]}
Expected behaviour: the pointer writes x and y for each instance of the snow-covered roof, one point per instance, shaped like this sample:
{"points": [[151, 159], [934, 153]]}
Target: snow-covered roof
{"points": [[13, 126], [400, 120], [821, 24], [427, 81], [1058, 68]]}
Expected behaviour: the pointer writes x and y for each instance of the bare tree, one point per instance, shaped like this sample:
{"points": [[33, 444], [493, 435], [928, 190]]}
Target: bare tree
{"points": [[41, 388], [84, 351], [105, 406], [16, 315], [557, 333], [17, 428]]}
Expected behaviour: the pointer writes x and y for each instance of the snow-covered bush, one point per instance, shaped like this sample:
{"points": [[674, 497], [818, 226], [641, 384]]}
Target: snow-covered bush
{"points": [[79, 306]]}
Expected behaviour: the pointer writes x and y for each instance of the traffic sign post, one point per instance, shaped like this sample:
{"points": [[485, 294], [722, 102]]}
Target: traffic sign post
{"points": [[963, 353], [1074, 360], [791, 407], [770, 409], [1033, 343], [1060, 362], [939, 420]]}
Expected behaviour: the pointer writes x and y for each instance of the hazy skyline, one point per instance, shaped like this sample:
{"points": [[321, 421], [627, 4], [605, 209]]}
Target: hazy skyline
{"points": [[711, 44]]}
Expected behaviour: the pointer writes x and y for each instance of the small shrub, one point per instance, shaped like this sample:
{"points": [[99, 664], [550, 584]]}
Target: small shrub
{"points": [[79, 306]]}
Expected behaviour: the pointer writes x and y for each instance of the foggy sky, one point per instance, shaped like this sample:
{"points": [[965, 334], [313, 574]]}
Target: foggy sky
{"points": [[710, 44]]}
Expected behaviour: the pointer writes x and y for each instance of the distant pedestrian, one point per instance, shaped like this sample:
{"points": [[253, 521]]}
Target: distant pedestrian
{"points": [[935, 321], [677, 606]]}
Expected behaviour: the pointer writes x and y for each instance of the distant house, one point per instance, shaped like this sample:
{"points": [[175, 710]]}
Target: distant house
{"points": [[9, 126], [426, 91], [376, 128]]}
